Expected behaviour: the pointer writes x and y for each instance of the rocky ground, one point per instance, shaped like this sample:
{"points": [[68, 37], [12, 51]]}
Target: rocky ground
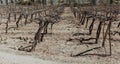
{"points": [[56, 48]]}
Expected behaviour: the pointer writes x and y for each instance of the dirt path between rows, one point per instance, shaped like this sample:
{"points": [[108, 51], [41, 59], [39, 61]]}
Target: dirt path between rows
{"points": [[8, 58]]}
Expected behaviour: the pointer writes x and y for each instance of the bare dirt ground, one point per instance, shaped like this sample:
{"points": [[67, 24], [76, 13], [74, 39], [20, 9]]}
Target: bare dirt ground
{"points": [[56, 48]]}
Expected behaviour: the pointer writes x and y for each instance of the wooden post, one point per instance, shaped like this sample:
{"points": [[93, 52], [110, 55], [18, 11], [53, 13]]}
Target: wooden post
{"points": [[1, 1], [6, 2], [111, 1]]}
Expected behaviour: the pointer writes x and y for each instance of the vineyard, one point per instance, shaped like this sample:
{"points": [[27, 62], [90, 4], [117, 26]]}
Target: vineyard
{"points": [[62, 33]]}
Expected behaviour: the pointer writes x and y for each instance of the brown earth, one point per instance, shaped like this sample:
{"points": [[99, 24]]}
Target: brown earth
{"points": [[57, 47]]}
